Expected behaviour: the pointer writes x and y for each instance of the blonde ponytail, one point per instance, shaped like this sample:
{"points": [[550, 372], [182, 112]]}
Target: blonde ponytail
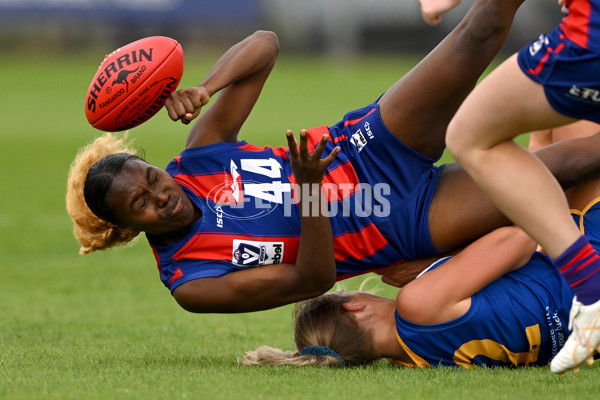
{"points": [[321, 323], [266, 355]]}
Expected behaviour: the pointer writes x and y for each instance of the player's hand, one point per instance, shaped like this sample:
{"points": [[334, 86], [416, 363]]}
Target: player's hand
{"points": [[400, 274], [563, 6], [307, 167], [185, 104], [432, 10]]}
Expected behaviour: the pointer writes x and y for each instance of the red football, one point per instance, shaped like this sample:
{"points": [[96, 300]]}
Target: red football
{"points": [[133, 83]]}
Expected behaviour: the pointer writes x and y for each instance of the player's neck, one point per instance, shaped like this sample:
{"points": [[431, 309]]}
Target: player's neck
{"points": [[384, 334]]}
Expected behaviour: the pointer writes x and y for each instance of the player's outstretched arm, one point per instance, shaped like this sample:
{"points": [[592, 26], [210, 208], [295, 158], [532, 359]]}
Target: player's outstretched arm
{"points": [[275, 285], [444, 293], [239, 75]]}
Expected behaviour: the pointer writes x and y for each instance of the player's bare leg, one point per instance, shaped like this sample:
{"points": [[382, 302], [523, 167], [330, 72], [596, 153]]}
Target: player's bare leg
{"points": [[504, 105], [418, 108]]}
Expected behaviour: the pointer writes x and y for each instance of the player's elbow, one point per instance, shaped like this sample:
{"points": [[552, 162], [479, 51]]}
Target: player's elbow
{"points": [[319, 286], [327, 283], [318, 283]]}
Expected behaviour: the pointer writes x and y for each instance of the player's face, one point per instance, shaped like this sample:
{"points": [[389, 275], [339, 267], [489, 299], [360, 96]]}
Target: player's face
{"points": [[147, 198]]}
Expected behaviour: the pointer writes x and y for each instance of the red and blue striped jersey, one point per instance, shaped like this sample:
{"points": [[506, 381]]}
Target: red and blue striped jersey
{"points": [[582, 24], [251, 216]]}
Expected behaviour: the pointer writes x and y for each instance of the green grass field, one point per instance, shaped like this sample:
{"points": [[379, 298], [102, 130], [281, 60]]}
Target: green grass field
{"points": [[103, 326]]}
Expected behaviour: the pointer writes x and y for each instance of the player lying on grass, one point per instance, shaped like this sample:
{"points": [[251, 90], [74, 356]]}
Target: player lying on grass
{"points": [[222, 221], [462, 311], [550, 82], [441, 318]]}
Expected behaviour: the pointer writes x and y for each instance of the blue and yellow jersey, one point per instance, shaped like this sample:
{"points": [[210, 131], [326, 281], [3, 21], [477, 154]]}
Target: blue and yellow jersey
{"points": [[586, 221], [377, 189], [520, 319]]}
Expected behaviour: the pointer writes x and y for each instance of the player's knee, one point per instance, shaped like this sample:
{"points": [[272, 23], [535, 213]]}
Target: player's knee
{"points": [[456, 143]]}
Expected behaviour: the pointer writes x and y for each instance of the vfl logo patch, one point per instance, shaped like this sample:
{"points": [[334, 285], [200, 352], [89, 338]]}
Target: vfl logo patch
{"points": [[358, 140], [251, 253]]}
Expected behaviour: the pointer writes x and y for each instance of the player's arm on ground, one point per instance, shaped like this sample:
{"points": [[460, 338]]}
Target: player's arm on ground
{"points": [[445, 292], [254, 289], [275, 285], [238, 76]]}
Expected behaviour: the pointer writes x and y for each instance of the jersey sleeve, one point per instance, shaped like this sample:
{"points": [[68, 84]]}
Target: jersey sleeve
{"points": [[177, 272]]}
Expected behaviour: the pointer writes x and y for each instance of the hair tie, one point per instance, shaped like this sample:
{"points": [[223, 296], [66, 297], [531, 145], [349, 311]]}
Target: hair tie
{"points": [[321, 351]]}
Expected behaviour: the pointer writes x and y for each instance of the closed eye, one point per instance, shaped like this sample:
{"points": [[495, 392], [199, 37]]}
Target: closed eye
{"points": [[152, 177], [138, 204]]}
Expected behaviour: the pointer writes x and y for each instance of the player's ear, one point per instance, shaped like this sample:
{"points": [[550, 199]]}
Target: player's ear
{"points": [[354, 306]]}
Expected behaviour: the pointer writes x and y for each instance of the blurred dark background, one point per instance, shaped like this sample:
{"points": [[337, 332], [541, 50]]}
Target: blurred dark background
{"points": [[332, 27]]}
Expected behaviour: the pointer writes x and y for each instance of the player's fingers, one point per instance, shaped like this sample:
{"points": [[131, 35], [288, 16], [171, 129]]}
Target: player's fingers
{"points": [[320, 147], [170, 111], [326, 162], [304, 144], [188, 104], [432, 19], [170, 106], [292, 144], [189, 117], [178, 107]]}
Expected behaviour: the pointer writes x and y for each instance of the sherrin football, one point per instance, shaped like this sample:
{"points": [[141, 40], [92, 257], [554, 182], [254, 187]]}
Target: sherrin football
{"points": [[133, 83]]}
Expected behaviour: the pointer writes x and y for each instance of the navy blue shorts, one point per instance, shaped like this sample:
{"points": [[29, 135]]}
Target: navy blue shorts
{"points": [[379, 157], [569, 73]]}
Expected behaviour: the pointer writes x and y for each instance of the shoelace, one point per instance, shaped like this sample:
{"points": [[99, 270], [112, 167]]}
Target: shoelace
{"points": [[580, 332]]}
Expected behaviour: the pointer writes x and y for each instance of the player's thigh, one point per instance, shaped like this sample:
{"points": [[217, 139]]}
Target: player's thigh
{"points": [[418, 108], [460, 211], [504, 105]]}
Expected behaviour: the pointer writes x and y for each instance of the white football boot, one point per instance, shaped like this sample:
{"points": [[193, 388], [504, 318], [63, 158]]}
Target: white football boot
{"points": [[584, 341]]}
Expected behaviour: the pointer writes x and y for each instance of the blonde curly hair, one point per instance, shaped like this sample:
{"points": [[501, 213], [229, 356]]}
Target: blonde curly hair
{"points": [[90, 231]]}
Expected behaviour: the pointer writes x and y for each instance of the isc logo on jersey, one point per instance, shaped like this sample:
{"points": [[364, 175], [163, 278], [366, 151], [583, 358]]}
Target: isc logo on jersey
{"points": [[250, 253]]}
